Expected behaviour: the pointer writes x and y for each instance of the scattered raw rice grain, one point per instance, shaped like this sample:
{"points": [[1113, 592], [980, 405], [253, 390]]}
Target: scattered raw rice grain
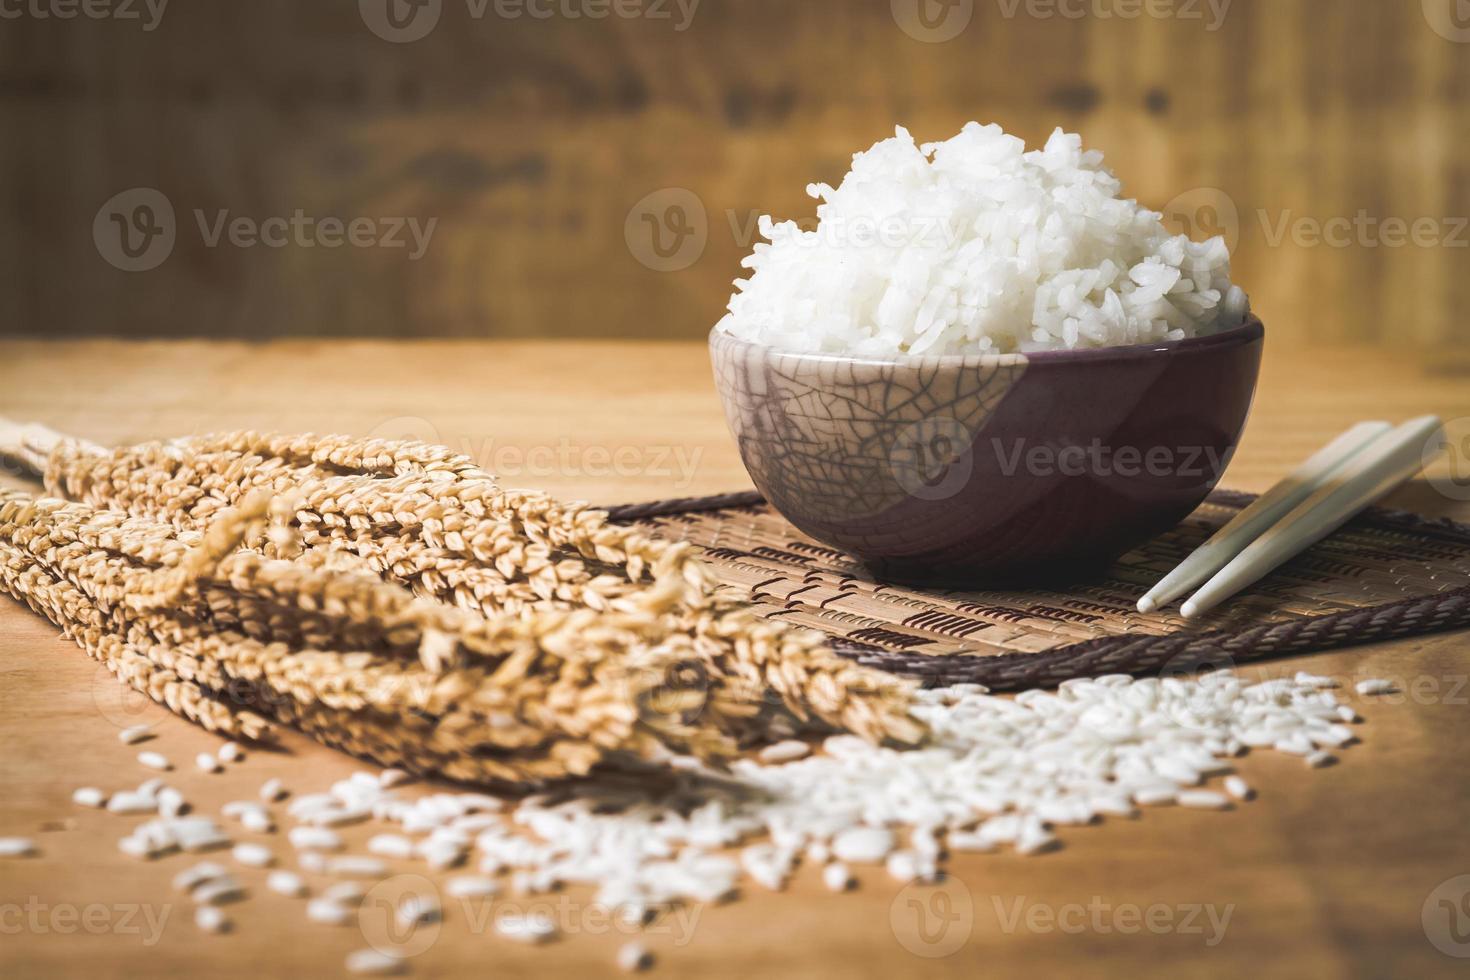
{"points": [[1376, 685], [312, 862], [356, 866], [767, 865], [230, 752], [89, 796], [287, 883], [137, 847], [17, 847], [1204, 799], [154, 760], [391, 846], [254, 855], [902, 866], [1035, 839], [1295, 744], [339, 816], [633, 957], [1320, 760], [273, 790], [472, 886], [863, 845], [315, 839], [218, 891], [374, 963], [206, 762], [1239, 788], [416, 910], [195, 834], [192, 877], [135, 734], [211, 919], [837, 878], [969, 842], [328, 913], [443, 855], [257, 821], [171, 802], [529, 928], [345, 893]]}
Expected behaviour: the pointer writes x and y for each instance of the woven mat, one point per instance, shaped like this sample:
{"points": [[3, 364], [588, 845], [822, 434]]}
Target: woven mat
{"points": [[1386, 574]]}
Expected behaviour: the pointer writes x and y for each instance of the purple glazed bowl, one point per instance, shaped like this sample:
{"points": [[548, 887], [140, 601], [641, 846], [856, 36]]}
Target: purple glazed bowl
{"points": [[996, 469]]}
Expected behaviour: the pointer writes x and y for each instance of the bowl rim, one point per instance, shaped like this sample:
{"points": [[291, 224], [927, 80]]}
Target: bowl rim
{"points": [[1252, 329]]}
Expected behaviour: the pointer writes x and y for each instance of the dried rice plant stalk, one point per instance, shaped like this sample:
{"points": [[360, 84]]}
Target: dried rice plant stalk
{"points": [[392, 599]]}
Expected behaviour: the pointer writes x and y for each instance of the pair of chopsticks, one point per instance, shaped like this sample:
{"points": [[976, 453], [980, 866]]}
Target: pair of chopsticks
{"points": [[1324, 493]]}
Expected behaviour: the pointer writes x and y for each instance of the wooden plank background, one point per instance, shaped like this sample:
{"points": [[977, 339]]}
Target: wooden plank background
{"points": [[533, 140]]}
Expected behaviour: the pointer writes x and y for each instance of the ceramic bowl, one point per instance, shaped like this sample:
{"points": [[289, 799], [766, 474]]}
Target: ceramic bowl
{"points": [[996, 469]]}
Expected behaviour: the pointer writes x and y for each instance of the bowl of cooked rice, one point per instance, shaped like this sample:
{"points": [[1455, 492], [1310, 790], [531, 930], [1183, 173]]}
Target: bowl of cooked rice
{"points": [[983, 365]]}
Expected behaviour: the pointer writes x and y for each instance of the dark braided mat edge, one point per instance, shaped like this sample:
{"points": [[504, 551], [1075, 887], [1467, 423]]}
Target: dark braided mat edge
{"points": [[1178, 653]]}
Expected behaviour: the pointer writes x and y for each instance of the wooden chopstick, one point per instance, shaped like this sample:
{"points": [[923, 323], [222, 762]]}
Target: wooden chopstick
{"points": [[1268, 508], [1386, 462]]}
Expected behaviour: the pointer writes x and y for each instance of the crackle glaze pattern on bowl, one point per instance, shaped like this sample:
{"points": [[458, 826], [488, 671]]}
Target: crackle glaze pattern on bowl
{"points": [[924, 468]]}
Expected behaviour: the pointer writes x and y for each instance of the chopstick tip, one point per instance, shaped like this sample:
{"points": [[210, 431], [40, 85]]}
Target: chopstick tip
{"points": [[1146, 604]]}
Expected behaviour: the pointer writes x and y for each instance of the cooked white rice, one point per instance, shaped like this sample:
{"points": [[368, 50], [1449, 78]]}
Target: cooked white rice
{"points": [[975, 245]]}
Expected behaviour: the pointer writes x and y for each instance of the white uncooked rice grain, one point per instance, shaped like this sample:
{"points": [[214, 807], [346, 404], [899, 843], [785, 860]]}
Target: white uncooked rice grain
{"points": [[17, 847], [374, 963], [528, 928], [314, 839], [286, 883], [89, 796], [634, 956], [1239, 788], [472, 886], [837, 878], [975, 245], [210, 919], [135, 734], [328, 913], [254, 855], [132, 803]]}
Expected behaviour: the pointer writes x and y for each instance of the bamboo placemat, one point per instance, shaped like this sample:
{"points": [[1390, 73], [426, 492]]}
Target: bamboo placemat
{"points": [[1386, 574]]}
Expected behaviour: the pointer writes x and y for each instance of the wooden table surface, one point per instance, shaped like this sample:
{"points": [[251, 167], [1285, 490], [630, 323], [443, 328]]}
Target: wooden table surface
{"points": [[1358, 870]]}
